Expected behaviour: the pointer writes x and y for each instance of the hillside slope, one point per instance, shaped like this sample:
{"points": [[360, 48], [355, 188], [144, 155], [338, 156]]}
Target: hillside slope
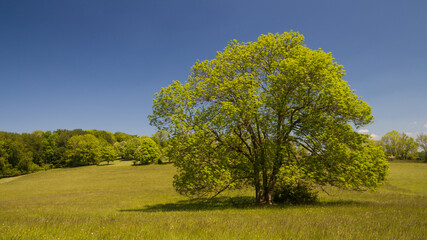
{"points": [[120, 201]]}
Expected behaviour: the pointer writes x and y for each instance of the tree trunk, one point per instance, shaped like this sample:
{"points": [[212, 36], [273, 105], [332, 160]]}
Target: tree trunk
{"points": [[258, 195], [258, 189], [268, 197]]}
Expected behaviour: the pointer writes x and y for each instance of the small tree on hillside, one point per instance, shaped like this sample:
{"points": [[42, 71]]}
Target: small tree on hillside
{"points": [[148, 152], [140, 150], [108, 153]]}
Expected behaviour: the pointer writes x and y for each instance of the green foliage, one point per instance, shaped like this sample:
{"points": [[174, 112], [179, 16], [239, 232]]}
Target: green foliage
{"points": [[30, 152], [163, 142], [203, 166], [249, 112], [141, 150], [129, 148], [295, 193], [59, 140], [148, 152], [34, 143], [108, 153], [122, 137], [14, 159], [103, 136], [83, 150], [422, 143], [399, 145]]}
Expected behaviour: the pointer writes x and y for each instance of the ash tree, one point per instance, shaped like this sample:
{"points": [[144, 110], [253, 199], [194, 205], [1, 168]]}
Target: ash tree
{"points": [[271, 114]]}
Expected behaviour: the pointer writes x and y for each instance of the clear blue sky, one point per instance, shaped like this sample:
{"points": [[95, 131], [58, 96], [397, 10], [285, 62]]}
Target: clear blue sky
{"points": [[97, 64]]}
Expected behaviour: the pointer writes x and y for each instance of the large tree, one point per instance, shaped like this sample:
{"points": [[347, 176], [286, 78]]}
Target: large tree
{"points": [[268, 114]]}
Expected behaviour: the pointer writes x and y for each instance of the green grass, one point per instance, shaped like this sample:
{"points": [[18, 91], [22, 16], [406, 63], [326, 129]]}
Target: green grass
{"points": [[120, 201]]}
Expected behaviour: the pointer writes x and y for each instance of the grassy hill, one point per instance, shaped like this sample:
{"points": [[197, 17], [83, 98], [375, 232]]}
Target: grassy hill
{"points": [[120, 201]]}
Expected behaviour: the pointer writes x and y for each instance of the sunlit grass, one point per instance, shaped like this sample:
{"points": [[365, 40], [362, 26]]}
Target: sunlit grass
{"points": [[120, 201]]}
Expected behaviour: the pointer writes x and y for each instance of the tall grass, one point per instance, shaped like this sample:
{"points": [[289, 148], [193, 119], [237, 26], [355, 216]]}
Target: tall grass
{"points": [[120, 201]]}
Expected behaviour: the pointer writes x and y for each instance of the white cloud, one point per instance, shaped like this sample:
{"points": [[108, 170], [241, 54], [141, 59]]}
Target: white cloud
{"points": [[375, 136], [425, 125], [414, 123], [364, 131]]}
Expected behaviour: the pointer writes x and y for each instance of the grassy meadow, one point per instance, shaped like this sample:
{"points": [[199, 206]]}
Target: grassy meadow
{"points": [[121, 201]]}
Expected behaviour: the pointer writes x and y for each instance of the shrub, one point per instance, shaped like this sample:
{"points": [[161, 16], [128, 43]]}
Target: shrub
{"points": [[295, 193]]}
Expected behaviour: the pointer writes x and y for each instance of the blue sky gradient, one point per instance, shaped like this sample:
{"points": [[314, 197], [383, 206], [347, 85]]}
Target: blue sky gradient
{"points": [[97, 64]]}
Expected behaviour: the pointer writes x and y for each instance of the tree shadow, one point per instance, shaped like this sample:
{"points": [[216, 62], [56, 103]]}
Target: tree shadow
{"points": [[224, 203], [104, 164], [140, 164]]}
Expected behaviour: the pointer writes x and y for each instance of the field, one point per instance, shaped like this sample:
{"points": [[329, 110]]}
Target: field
{"points": [[120, 201]]}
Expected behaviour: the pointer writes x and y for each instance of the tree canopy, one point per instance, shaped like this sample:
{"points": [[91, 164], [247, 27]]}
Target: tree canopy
{"points": [[422, 141], [83, 150], [30, 152], [148, 151], [399, 145], [269, 114]]}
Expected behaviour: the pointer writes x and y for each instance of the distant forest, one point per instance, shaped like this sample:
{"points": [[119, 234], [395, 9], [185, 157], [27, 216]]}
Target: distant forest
{"points": [[31, 152]]}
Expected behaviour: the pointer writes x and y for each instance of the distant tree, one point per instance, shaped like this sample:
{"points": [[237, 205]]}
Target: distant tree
{"points": [[391, 143], [29, 152], [241, 118], [83, 150], [60, 140], [408, 147], [8, 165], [147, 152], [108, 153], [15, 157], [48, 149], [161, 137], [12, 150], [26, 164], [34, 143], [122, 137], [129, 148], [399, 145], [103, 136], [422, 143], [119, 147]]}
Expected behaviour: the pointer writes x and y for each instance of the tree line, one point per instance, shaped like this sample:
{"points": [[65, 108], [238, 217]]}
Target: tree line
{"points": [[31, 152], [401, 146]]}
